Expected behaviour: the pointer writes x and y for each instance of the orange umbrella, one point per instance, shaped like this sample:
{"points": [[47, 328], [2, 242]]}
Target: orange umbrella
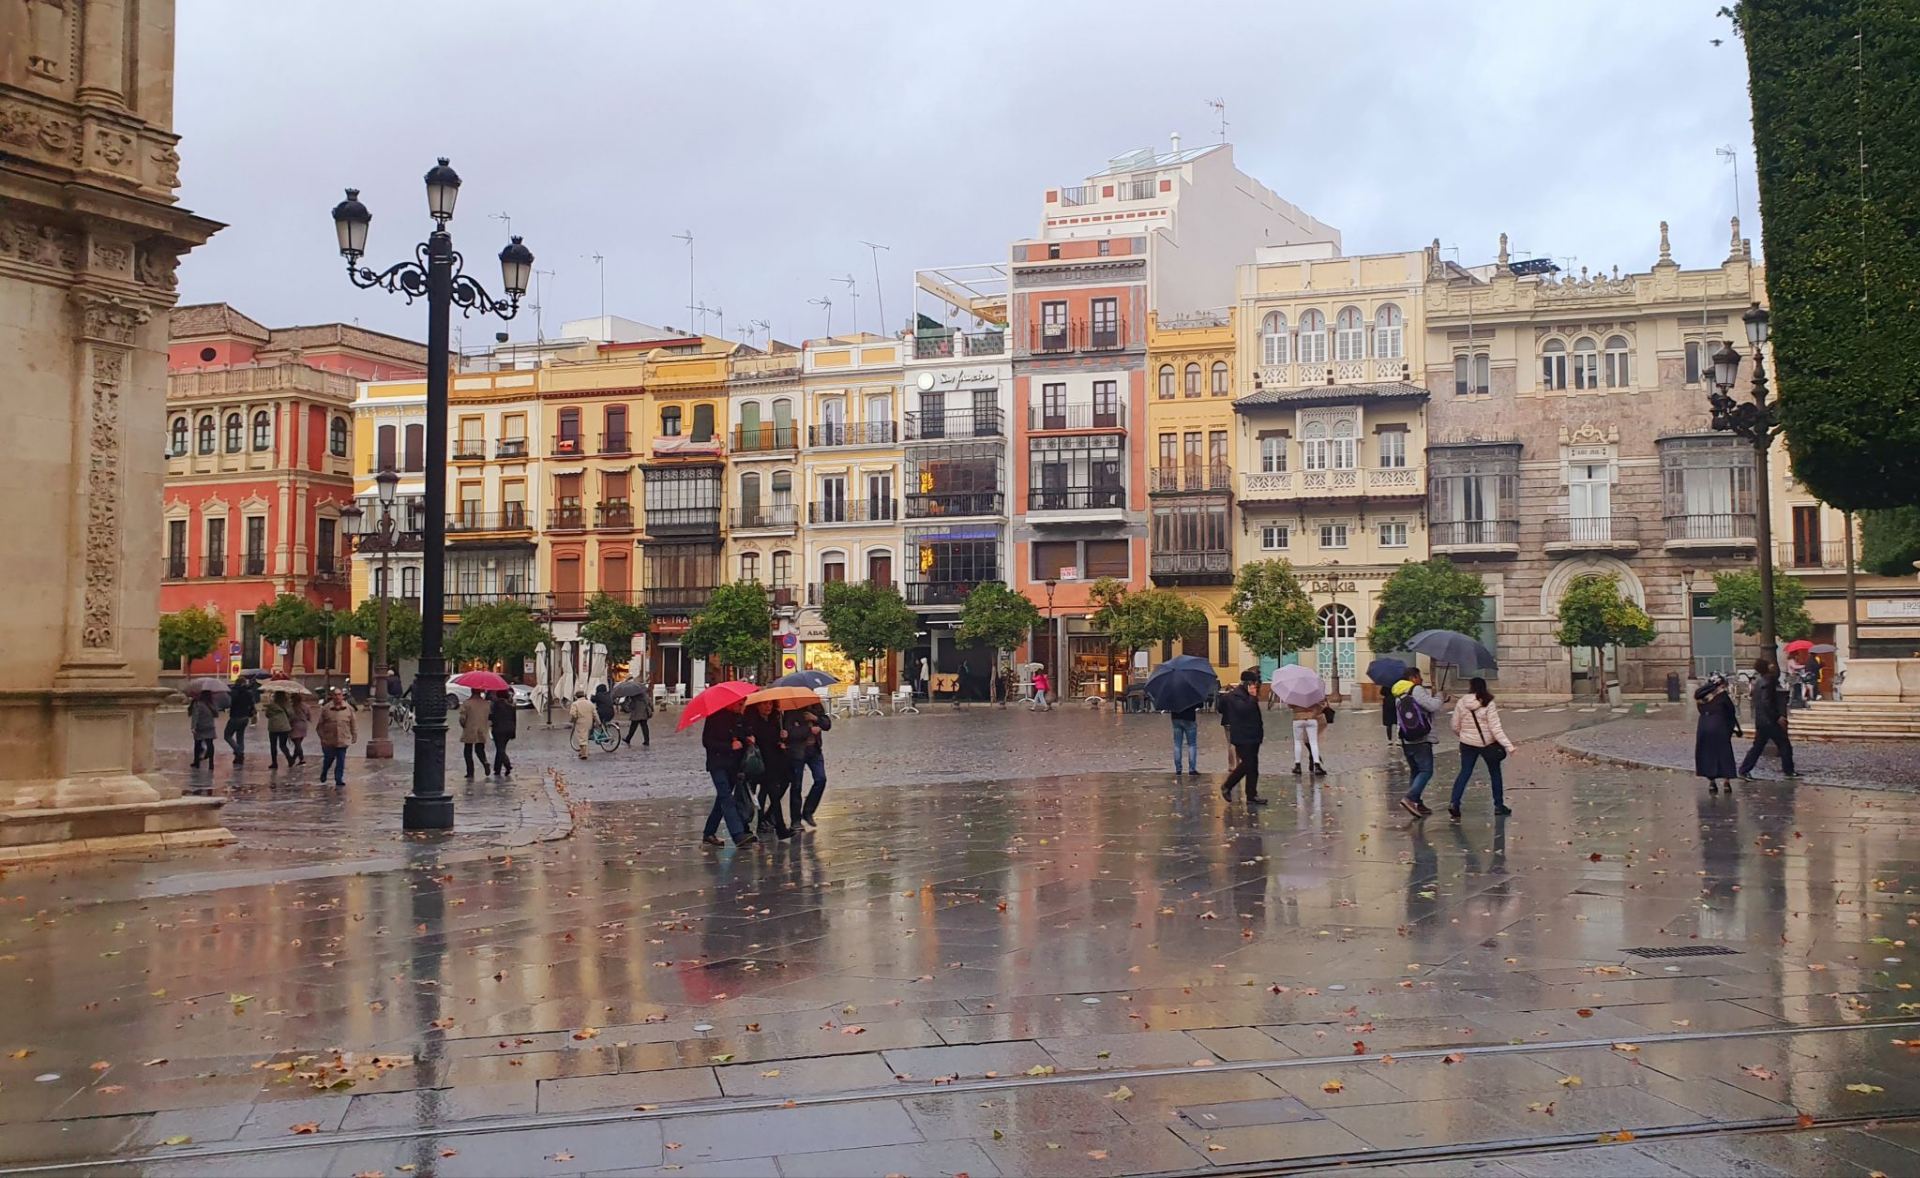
{"points": [[717, 698], [786, 697]]}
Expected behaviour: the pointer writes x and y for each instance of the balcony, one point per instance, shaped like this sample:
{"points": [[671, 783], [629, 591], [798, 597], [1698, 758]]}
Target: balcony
{"points": [[1813, 556], [614, 517], [567, 519], [1476, 537], [459, 600], [956, 344], [944, 504], [1111, 497], [687, 446], [1193, 568], [1078, 195], [867, 433], [1166, 480], [683, 521], [510, 448], [777, 517], [620, 443], [955, 424], [1081, 335], [1142, 189], [376, 544], [468, 450], [214, 565], [1592, 533], [817, 590], [677, 599], [853, 511], [173, 566], [954, 593], [1255, 485], [574, 602], [569, 445], [254, 564], [1077, 417], [513, 518], [783, 596], [763, 439], [1714, 531], [329, 572]]}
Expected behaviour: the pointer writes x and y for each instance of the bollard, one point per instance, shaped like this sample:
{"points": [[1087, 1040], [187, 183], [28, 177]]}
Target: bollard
{"points": [[1673, 687]]}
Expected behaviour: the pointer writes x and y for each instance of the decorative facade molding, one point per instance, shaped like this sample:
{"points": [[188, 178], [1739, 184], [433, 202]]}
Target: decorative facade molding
{"points": [[100, 619], [157, 267], [39, 244], [106, 319], [40, 134]]}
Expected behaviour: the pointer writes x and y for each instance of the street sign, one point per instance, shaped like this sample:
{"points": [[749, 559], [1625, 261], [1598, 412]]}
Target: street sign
{"points": [[233, 648]]}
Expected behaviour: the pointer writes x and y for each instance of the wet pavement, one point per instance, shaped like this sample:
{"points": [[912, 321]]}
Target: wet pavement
{"points": [[1020, 972], [1665, 740]]}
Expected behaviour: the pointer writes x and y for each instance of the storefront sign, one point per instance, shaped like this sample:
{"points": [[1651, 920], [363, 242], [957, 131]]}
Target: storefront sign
{"points": [[1331, 586], [1893, 607], [812, 631], [958, 378]]}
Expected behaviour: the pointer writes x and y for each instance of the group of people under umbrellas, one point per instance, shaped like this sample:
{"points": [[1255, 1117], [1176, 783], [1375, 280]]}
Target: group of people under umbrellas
{"points": [[281, 704], [761, 743]]}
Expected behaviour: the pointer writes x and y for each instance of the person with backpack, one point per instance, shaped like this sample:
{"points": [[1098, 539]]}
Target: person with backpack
{"points": [[1414, 709], [1240, 714], [1476, 724]]}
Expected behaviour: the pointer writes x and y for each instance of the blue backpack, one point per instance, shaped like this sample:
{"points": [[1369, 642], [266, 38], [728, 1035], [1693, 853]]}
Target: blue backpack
{"points": [[1414, 720]]}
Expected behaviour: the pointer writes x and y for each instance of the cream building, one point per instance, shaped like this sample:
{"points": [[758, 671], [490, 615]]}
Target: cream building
{"points": [[389, 428], [765, 412]]}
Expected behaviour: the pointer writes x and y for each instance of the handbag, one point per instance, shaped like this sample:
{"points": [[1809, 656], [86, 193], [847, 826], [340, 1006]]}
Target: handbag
{"points": [[753, 766], [1327, 714], [1493, 754]]}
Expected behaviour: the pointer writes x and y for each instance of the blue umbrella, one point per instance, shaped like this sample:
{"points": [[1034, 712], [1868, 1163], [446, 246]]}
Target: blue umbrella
{"points": [[806, 679], [1385, 672], [1454, 649], [1182, 682]]}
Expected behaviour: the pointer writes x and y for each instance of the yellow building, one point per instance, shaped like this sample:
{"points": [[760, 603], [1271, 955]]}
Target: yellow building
{"points": [[764, 407], [1332, 435], [494, 490], [594, 428], [389, 428], [1190, 425]]}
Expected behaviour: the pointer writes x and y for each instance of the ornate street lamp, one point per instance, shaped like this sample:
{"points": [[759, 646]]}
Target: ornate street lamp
{"points": [[1053, 645], [435, 273], [1759, 423], [383, 529]]}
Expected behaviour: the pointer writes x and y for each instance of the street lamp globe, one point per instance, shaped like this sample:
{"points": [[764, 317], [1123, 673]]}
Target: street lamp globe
{"points": [[352, 519], [1756, 321], [516, 267], [443, 188], [1726, 366], [350, 222], [388, 480]]}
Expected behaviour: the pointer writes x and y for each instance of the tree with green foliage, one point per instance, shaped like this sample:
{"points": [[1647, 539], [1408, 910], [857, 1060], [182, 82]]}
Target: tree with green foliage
{"points": [[1426, 595], [189, 634], [1142, 618], [288, 618], [1736, 596], [1838, 163], [1273, 613], [736, 627], [403, 627], [1890, 541], [612, 623], [996, 616], [1594, 614], [866, 621], [496, 635]]}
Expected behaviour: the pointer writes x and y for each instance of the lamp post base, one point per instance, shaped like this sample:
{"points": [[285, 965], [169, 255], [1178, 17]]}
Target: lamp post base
{"points": [[434, 812], [379, 750]]}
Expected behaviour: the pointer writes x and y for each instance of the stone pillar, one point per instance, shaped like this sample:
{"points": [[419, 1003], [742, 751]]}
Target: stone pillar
{"points": [[89, 239]]}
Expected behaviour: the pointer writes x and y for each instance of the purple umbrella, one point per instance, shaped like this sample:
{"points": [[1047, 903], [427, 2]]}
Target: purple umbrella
{"points": [[1298, 687]]}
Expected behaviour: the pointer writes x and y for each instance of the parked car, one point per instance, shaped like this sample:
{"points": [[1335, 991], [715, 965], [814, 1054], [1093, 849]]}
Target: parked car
{"points": [[523, 695]]}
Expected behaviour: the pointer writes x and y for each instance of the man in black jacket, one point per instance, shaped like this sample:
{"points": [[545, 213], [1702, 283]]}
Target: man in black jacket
{"points": [[239, 715], [721, 738], [1769, 720], [1240, 714]]}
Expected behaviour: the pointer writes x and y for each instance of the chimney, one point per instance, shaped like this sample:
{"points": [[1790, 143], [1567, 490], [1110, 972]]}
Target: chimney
{"points": [[1176, 142]]}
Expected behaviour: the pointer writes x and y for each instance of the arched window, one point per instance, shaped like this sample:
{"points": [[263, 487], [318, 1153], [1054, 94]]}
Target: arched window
{"points": [[1313, 338], [750, 509], [1553, 365], [1313, 445], [337, 438], [1192, 381], [206, 434], [1619, 366], [1343, 452], [782, 569], [1388, 328], [262, 430], [749, 566], [1273, 339], [782, 485], [670, 421], [1220, 385], [1349, 335], [1166, 382], [1586, 363], [233, 433], [1337, 621], [177, 446]]}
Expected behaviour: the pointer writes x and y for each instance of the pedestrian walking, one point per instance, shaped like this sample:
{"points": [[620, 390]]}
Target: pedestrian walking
{"points": [[639, 711], [476, 722], [774, 776], [603, 704], [1306, 730], [279, 724], [1769, 720], [300, 717], [1186, 731], [1240, 713], [921, 678], [1476, 724], [1041, 685], [720, 736], [1389, 719], [200, 721], [1414, 708], [240, 708], [806, 750], [503, 719], [1713, 735], [583, 716], [337, 734]]}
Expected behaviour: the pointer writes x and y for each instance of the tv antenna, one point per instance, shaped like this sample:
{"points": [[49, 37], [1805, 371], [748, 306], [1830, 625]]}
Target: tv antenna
{"points": [[879, 291], [754, 325], [688, 238], [715, 311], [1729, 156], [1219, 106], [853, 292], [539, 304], [600, 261], [825, 301], [503, 217]]}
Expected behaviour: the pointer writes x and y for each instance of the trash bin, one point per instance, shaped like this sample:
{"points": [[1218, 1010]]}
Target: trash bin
{"points": [[1673, 687]]}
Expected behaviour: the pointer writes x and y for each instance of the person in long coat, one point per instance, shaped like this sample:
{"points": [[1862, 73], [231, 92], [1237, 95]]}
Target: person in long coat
{"points": [[582, 715], [300, 719], [1713, 737], [765, 732], [200, 716], [505, 723], [476, 714]]}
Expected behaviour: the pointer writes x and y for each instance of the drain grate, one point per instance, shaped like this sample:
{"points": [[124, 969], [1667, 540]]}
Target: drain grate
{"points": [[1682, 951]]}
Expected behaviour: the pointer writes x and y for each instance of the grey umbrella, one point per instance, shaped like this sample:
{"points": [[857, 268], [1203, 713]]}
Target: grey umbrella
{"points": [[627, 687], [1454, 649]]}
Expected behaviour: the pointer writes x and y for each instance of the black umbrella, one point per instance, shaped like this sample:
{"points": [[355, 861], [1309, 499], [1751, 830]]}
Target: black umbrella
{"points": [[805, 679], [630, 687], [1385, 672], [1182, 682], [1454, 649]]}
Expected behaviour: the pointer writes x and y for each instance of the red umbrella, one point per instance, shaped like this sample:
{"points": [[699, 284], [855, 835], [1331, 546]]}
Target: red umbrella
{"points": [[480, 681], [1798, 645], [717, 698]]}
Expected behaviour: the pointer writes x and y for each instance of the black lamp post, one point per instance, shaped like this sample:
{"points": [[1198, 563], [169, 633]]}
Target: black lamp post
{"points": [[1053, 644], [1758, 423], [435, 273], [380, 744]]}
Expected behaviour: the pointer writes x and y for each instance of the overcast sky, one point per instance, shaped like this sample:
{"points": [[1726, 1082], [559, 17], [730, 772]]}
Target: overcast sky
{"points": [[783, 134]]}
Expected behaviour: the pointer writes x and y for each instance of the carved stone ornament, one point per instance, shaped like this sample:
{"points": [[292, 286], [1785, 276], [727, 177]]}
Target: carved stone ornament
{"points": [[103, 502], [108, 320], [49, 43], [110, 256], [38, 134], [1588, 434], [166, 167], [1599, 286], [112, 146], [157, 266], [39, 245]]}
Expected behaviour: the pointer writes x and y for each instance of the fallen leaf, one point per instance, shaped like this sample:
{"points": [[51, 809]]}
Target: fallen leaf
{"points": [[770, 1073], [443, 1023], [23, 1053], [371, 1174], [1583, 1012], [563, 1156], [1569, 1081], [1103, 1055], [1804, 1120], [1121, 1093], [1865, 1089], [153, 1063], [1537, 1107], [1359, 1047], [1040, 1069], [304, 1127], [673, 1145], [177, 1139], [99, 1065], [1626, 1048], [587, 1033], [1212, 1148], [1610, 1138], [723, 1057], [449, 1153], [1202, 1063], [1759, 1073], [1333, 1086], [1453, 1057], [853, 1030], [1098, 1155], [109, 1089]]}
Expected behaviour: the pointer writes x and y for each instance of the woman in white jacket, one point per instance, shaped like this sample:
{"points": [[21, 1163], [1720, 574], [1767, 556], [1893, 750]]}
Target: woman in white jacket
{"points": [[1476, 722]]}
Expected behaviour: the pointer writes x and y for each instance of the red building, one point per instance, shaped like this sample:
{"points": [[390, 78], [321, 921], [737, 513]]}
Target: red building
{"points": [[259, 463]]}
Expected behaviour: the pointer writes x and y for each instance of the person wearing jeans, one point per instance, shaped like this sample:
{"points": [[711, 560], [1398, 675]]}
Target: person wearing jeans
{"points": [[337, 733], [1240, 714], [1476, 722], [806, 749], [1186, 730], [1414, 701], [724, 750]]}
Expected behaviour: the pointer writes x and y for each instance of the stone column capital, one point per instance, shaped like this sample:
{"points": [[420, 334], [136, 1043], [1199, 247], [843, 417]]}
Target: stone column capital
{"points": [[103, 318]]}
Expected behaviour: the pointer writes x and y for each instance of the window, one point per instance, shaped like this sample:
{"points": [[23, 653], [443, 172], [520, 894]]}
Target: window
{"points": [[206, 435], [749, 566], [782, 569], [1106, 404], [1193, 380], [1590, 501], [1166, 382], [1052, 557], [616, 428], [1553, 365], [1053, 406], [1471, 493], [416, 447], [177, 443], [832, 506], [256, 545], [233, 433], [1393, 535], [1273, 339], [326, 548], [1190, 526], [1106, 323], [567, 440], [703, 422], [1349, 335], [1471, 373], [1103, 248], [1333, 535], [1053, 325], [262, 430], [670, 421], [1388, 329], [1169, 450], [1217, 449], [1220, 385], [384, 451], [782, 486], [410, 580], [1700, 359], [1313, 338], [1273, 453], [337, 438], [1586, 364], [1619, 369], [1393, 449], [1192, 449], [1330, 447], [1105, 558], [1274, 537], [1489, 630], [1708, 488]]}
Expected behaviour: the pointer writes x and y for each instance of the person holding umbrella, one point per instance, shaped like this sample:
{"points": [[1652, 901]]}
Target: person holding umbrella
{"points": [[200, 719], [1306, 697], [1178, 687], [1384, 673], [634, 698], [1240, 714], [504, 721], [476, 721], [805, 749], [721, 706]]}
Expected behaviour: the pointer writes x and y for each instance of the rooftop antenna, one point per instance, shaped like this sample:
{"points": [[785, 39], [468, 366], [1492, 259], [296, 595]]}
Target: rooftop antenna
{"points": [[1729, 156], [879, 292], [715, 311], [761, 325], [601, 261], [539, 304], [853, 292], [503, 217], [827, 302], [1219, 106], [691, 302]]}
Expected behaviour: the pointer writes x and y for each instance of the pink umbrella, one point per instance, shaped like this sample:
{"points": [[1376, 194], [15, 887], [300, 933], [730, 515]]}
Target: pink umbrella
{"points": [[480, 681], [717, 698], [1298, 687]]}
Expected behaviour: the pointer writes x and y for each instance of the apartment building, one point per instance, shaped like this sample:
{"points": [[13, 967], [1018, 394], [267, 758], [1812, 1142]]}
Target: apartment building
{"points": [[683, 475], [765, 412]]}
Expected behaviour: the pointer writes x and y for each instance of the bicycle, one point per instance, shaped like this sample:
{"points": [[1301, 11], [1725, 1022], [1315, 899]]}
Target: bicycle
{"points": [[607, 736], [399, 716]]}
